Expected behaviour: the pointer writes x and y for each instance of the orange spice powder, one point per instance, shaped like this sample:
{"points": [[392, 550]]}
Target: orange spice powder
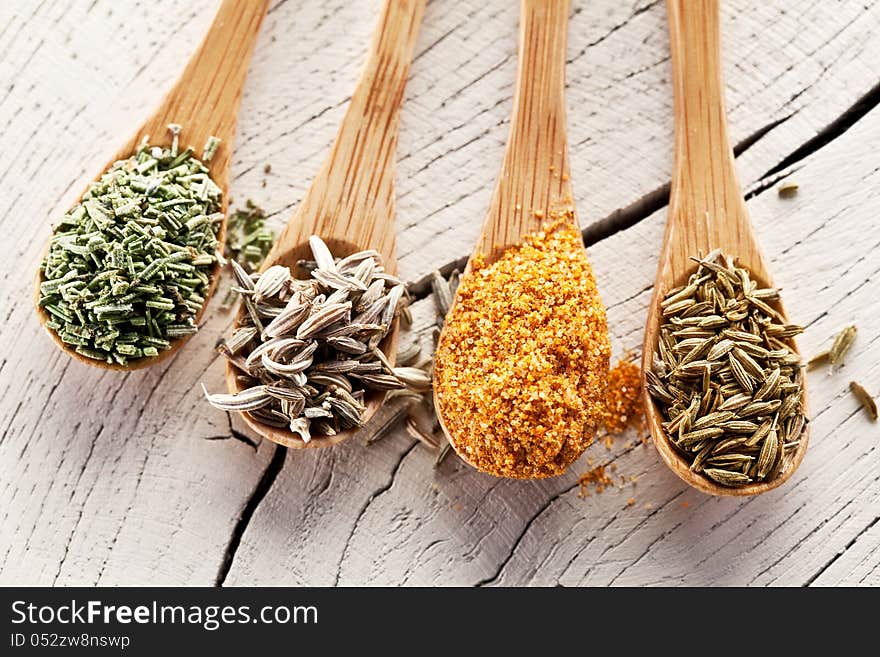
{"points": [[522, 364], [623, 407], [597, 478]]}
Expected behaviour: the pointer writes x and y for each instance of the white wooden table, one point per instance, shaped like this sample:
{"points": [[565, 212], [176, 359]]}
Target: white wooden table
{"points": [[111, 478]]}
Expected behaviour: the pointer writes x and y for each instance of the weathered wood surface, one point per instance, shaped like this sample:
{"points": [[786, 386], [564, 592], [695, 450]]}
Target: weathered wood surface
{"points": [[115, 478]]}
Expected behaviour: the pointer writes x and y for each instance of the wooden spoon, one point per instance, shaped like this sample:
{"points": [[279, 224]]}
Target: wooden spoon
{"points": [[204, 101], [706, 206], [535, 173], [350, 204], [534, 177]]}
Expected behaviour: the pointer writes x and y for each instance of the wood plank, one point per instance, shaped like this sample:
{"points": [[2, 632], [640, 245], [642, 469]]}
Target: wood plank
{"points": [[109, 478]]}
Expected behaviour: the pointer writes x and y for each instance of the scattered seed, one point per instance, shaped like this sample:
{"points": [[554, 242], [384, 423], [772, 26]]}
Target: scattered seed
{"points": [[841, 345], [787, 189], [865, 399], [727, 477]]}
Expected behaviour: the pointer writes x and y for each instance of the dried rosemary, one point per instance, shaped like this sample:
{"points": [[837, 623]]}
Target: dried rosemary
{"points": [[128, 266], [725, 377], [248, 239]]}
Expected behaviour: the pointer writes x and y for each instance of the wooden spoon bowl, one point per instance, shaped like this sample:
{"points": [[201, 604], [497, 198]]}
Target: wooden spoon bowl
{"points": [[204, 101], [350, 204], [707, 210]]}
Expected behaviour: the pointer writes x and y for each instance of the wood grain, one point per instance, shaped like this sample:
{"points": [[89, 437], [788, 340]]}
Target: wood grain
{"points": [[707, 210], [204, 101], [350, 203], [535, 176], [133, 479]]}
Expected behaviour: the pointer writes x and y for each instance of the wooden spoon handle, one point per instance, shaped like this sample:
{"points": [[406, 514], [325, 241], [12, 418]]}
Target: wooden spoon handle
{"points": [[707, 209], [205, 98], [352, 197], [535, 173]]}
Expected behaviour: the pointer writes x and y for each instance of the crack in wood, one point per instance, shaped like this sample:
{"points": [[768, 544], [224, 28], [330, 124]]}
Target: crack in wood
{"points": [[620, 220], [794, 547], [830, 132], [625, 301], [11, 422], [276, 6], [849, 293], [837, 556], [748, 142], [440, 39], [654, 512], [490, 580], [647, 550], [574, 557], [289, 131], [418, 559], [725, 519], [595, 42], [140, 473], [486, 581], [57, 383], [373, 496], [82, 506], [472, 140], [234, 435], [502, 62], [276, 464]]}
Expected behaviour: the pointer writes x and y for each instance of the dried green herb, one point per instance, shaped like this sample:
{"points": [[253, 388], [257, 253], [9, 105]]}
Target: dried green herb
{"points": [[129, 266], [248, 239], [210, 149], [727, 383]]}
